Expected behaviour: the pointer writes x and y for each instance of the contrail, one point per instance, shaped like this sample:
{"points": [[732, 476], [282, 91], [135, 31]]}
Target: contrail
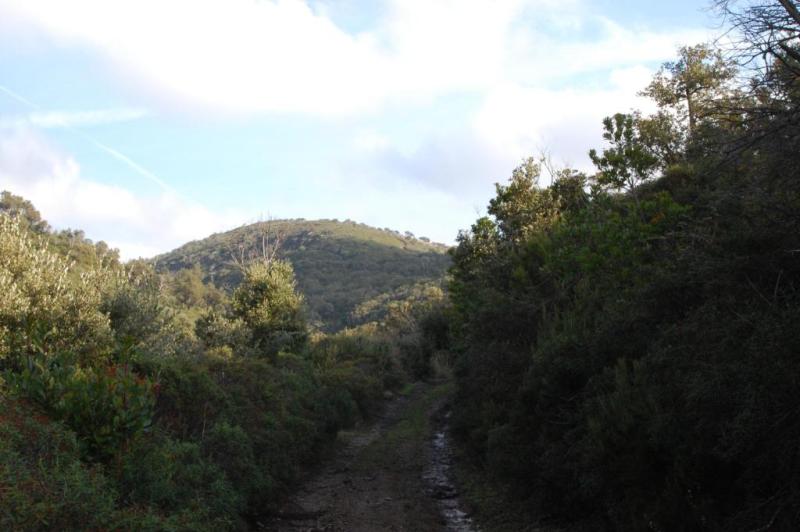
{"points": [[19, 98], [116, 154], [133, 164]]}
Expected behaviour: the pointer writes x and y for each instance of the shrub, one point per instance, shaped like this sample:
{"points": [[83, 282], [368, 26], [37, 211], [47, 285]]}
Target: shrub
{"points": [[42, 303], [44, 484], [268, 302], [106, 407]]}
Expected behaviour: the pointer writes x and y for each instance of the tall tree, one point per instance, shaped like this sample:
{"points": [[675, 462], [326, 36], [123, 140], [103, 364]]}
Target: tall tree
{"points": [[691, 83]]}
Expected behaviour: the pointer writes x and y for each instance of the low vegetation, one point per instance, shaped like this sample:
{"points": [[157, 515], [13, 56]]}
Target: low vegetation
{"points": [[136, 401]]}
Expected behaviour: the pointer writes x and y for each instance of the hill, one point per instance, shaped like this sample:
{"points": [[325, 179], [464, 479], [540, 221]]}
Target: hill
{"points": [[339, 265]]}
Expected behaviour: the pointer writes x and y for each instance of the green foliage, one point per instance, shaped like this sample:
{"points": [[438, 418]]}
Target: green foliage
{"points": [[268, 303], [693, 84], [628, 364], [256, 422], [175, 479], [379, 309], [138, 311], [628, 161], [41, 301], [421, 328], [47, 486], [362, 361], [17, 207], [339, 265], [661, 137], [521, 207], [189, 290], [44, 484], [106, 407], [215, 330], [82, 254], [71, 244], [165, 412]]}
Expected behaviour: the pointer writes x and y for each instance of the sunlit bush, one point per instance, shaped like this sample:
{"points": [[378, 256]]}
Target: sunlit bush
{"points": [[42, 303]]}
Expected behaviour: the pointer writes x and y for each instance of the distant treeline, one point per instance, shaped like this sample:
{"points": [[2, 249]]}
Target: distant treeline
{"points": [[339, 265]]}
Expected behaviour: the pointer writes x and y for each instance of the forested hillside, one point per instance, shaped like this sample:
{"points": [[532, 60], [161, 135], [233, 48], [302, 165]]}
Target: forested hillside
{"points": [[339, 265]]}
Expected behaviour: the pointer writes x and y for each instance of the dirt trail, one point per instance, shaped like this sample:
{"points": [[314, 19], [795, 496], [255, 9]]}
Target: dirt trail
{"points": [[375, 480]]}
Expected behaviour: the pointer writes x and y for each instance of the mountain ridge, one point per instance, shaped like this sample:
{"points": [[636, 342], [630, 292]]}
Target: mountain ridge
{"points": [[339, 264]]}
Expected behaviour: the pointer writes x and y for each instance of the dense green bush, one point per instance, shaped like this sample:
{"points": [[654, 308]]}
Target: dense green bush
{"points": [[627, 358], [177, 481], [44, 484], [158, 484], [42, 302], [361, 361], [269, 305], [106, 407]]}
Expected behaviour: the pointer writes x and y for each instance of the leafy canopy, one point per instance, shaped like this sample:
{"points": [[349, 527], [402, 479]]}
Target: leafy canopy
{"points": [[269, 304]]}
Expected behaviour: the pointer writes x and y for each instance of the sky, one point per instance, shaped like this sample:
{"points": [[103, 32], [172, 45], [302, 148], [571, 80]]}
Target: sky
{"points": [[151, 123]]}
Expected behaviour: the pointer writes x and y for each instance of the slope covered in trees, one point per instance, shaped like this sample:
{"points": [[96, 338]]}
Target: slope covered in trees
{"points": [[339, 265]]}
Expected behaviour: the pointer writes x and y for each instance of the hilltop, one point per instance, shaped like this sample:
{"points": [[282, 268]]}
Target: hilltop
{"points": [[339, 265]]}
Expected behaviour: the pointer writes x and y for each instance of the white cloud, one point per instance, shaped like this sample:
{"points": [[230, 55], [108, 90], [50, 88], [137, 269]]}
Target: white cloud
{"points": [[462, 165], [237, 55], [282, 56], [137, 225], [368, 141], [519, 121], [539, 55], [73, 119], [513, 122], [543, 73]]}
